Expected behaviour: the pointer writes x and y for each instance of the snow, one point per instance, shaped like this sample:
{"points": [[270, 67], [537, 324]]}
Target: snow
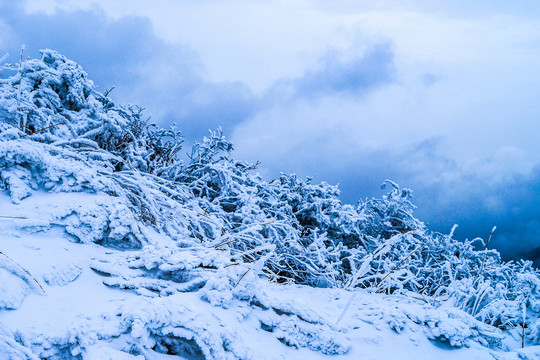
{"points": [[78, 314], [112, 248]]}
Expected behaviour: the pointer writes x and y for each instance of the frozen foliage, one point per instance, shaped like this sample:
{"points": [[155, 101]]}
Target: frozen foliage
{"points": [[212, 227]]}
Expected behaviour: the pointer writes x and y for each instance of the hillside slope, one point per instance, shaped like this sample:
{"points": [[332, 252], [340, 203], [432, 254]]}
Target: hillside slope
{"points": [[113, 248]]}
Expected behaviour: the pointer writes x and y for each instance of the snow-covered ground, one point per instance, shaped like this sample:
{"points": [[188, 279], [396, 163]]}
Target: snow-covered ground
{"points": [[55, 304]]}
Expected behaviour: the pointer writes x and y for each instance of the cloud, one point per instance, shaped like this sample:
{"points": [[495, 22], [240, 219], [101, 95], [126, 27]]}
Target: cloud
{"points": [[104, 47], [208, 106], [230, 104], [334, 76], [495, 191], [508, 199], [169, 79]]}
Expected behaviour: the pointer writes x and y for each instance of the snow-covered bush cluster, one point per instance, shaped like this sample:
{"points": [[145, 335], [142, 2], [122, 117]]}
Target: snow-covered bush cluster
{"points": [[230, 227]]}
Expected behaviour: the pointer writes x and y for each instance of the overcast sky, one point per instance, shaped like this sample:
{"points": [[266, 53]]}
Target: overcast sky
{"points": [[441, 97]]}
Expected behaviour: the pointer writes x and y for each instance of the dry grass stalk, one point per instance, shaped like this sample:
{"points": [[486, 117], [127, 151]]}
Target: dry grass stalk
{"points": [[13, 217], [241, 277], [39, 130], [223, 243], [205, 213], [26, 271], [128, 164], [398, 265], [485, 252]]}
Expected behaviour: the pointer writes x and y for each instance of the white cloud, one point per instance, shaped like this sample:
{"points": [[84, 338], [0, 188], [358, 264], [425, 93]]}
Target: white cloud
{"points": [[260, 42]]}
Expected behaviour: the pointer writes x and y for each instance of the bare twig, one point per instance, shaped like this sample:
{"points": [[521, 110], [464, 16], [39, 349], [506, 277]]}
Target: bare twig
{"points": [[108, 91], [223, 243], [3, 77]]}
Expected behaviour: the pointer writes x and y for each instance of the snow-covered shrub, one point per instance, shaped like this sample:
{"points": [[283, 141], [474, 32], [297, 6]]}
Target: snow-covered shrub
{"points": [[230, 227]]}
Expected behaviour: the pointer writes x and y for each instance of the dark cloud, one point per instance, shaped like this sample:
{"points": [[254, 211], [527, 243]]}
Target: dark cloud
{"points": [[356, 76], [210, 106], [448, 194], [512, 205], [332, 76], [106, 49]]}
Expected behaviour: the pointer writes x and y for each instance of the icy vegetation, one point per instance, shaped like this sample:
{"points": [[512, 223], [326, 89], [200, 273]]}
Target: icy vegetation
{"points": [[114, 248]]}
